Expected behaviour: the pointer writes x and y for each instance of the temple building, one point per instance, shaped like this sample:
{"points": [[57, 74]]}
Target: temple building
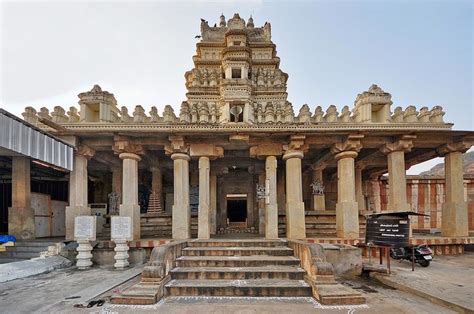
{"points": [[237, 158]]}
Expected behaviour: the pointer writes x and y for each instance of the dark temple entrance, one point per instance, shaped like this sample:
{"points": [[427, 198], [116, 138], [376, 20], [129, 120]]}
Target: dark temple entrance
{"points": [[237, 210]]}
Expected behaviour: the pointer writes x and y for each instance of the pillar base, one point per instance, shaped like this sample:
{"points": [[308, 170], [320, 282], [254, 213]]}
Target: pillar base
{"points": [[71, 213], [181, 223], [21, 223], [133, 211], [319, 202], [454, 220], [295, 221], [271, 224], [347, 220]]}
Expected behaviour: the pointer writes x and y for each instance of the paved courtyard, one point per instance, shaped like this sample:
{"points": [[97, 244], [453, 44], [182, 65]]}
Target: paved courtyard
{"points": [[47, 293]]}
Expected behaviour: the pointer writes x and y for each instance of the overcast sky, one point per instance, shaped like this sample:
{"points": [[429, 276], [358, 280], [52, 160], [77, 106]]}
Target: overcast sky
{"points": [[419, 51]]}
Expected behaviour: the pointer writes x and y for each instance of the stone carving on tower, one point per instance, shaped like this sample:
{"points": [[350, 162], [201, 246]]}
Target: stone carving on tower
{"points": [[235, 65]]}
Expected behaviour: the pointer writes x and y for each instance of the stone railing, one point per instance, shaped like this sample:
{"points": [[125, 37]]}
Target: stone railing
{"points": [[320, 275]]}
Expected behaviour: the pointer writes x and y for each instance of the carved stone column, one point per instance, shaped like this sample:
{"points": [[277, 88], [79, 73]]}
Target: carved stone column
{"points": [[21, 217], [204, 228], [397, 198], [271, 206], [347, 211], [454, 219], [130, 155], [295, 214], [78, 191], [319, 200], [270, 203], [129, 206], [205, 152], [117, 181], [181, 228]]}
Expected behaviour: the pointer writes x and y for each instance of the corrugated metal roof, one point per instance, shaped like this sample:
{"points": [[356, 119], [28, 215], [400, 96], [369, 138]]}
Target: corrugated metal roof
{"points": [[23, 138]]}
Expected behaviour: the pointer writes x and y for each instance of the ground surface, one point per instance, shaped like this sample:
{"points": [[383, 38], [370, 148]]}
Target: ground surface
{"points": [[46, 293], [448, 278]]}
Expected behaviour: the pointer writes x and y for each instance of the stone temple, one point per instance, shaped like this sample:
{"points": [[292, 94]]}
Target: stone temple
{"points": [[238, 159]]}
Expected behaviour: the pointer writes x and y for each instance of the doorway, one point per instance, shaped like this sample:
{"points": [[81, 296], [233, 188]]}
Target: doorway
{"points": [[237, 209]]}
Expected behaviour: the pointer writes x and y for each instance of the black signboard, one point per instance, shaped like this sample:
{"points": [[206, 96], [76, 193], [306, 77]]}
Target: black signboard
{"points": [[388, 231]]}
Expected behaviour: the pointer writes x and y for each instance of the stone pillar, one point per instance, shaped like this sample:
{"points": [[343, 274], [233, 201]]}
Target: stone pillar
{"points": [[204, 229], [271, 205], [295, 215], [117, 181], [359, 189], [319, 200], [261, 207], [397, 185], [181, 228], [129, 206], [78, 190], [347, 209], [454, 219], [375, 191], [21, 217], [213, 203]]}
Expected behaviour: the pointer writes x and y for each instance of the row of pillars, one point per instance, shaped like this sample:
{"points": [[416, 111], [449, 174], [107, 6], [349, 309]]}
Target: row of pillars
{"points": [[454, 221]]}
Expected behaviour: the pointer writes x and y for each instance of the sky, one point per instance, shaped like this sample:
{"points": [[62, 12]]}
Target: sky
{"points": [[419, 51]]}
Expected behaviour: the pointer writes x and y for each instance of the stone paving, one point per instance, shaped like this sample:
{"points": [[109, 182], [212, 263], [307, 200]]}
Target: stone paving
{"points": [[46, 293], [449, 280]]}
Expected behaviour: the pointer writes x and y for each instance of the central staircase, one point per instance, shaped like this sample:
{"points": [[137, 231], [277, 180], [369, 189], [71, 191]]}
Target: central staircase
{"points": [[255, 268], [238, 268]]}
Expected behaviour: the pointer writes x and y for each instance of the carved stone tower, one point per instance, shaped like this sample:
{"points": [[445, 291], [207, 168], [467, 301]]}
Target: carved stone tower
{"points": [[236, 77]]}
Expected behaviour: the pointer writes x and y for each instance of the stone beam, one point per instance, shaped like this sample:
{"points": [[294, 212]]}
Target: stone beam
{"points": [[265, 150], [208, 150]]}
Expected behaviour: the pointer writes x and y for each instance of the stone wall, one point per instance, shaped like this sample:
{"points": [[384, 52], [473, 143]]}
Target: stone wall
{"points": [[426, 195]]}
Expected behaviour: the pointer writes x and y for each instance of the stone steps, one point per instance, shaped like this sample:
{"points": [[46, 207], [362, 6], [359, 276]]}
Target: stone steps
{"points": [[237, 251], [235, 261], [249, 287], [238, 243], [239, 273], [23, 250]]}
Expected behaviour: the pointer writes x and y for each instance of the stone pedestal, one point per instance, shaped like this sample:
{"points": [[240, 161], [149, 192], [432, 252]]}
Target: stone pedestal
{"points": [[21, 217], [181, 228], [84, 255], [295, 215], [121, 254], [129, 206], [271, 206], [347, 211], [78, 192], [319, 201], [154, 201], [204, 230], [454, 219]]}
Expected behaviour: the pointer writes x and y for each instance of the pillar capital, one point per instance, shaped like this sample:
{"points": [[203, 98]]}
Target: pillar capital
{"points": [[404, 144], [86, 151], [206, 150], [129, 156], [351, 144], [460, 146], [183, 156], [289, 154], [126, 145], [346, 154], [177, 144], [265, 150]]}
